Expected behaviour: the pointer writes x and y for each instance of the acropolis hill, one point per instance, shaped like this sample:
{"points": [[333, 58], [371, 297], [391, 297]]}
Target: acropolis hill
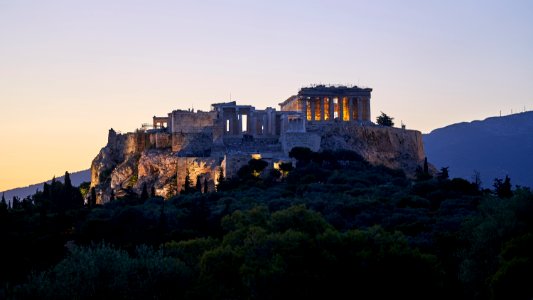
{"points": [[200, 143]]}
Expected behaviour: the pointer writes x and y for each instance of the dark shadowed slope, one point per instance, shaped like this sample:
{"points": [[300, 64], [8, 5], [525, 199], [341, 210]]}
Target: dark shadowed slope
{"points": [[76, 178], [495, 147]]}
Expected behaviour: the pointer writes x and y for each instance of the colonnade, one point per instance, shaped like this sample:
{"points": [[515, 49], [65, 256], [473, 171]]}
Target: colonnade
{"points": [[330, 108]]}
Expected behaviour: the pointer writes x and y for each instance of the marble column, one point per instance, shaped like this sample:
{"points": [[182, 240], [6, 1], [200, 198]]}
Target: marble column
{"points": [[331, 109], [350, 108], [359, 109], [341, 108], [321, 108], [304, 107], [313, 109], [368, 107]]}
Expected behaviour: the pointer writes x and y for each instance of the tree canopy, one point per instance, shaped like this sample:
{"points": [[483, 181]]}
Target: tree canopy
{"points": [[385, 120]]}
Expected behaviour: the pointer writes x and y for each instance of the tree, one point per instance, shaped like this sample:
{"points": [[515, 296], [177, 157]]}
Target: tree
{"points": [[476, 179], [112, 196], [152, 191], [285, 168], [3, 204], [257, 166], [144, 193], [92, 198], [187, 188], [443, 175], [68, 182], [199, 184], [502, 188], [423, 173], [385, 120], [302, 154], [206, 189]]}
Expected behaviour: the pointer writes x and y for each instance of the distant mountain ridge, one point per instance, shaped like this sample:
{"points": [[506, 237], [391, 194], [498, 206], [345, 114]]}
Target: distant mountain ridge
{"points": [[495, 147], [76, 178]]}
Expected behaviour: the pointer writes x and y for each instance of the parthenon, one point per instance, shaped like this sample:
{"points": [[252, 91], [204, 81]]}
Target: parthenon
{"points": [[330, 103]]}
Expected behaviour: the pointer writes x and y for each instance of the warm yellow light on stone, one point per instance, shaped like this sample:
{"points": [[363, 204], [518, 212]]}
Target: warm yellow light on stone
{"points": [[256, 156]]}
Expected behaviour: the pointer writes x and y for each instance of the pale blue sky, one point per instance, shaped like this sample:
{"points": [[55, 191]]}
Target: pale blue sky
{"points": [[70, 70]]}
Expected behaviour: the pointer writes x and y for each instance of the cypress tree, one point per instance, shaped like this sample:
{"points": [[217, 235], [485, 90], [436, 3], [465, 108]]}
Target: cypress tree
{"points": [[144, 193], [112, 196], [187, 185], [68, 183], [3, 204], [205, 186], [92, 198], [198, 184], [152, 191]]}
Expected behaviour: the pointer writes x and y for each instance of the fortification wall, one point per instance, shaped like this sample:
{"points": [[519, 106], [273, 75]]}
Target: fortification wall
{"points": [[191, 122], [290, 140], [161, 140], [192, 144]]}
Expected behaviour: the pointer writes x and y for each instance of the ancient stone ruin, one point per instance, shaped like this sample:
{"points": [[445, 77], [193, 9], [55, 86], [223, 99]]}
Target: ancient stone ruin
{"points": [[203, 144]]}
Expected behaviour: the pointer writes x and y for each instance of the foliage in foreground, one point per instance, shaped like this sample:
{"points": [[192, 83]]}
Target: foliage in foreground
{"points": [[332, 225]]}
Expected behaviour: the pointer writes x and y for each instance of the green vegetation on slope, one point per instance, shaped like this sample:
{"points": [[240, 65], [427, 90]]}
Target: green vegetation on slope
{"points": [[331, 226]]}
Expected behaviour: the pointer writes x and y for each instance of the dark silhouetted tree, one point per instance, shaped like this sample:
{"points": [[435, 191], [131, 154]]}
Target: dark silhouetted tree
{"points": [[385, 120], [3, 204], [423, 173], [198, 184], [152, 191], [187, 187], [502, 188], [443, 175], [92, 198], [206, 189], [301, 154], [285, 168], [112, 196], [144, 192], [221, 179], [257, 166], [15, 202]]}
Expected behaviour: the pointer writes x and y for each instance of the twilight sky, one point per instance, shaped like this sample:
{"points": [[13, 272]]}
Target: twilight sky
{"points": [[70, 70]]}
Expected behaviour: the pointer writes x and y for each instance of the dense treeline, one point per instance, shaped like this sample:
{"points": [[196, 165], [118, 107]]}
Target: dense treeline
{"points": [[330, 226]]}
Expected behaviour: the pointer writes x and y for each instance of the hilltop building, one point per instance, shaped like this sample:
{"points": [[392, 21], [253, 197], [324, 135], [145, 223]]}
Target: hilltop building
{"points": [[200, 144]]}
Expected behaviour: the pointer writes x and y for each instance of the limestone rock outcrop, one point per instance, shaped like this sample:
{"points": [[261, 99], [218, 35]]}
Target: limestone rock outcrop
{"points": [[133, 160], [394, 148]]}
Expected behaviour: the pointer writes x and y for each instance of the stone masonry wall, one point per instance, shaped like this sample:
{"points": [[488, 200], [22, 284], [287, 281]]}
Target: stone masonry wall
{"points": [[290, 140]]}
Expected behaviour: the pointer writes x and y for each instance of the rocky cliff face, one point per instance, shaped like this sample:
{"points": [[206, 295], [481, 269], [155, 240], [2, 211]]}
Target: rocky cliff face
{"points": [[392, 147], [130, 161]]}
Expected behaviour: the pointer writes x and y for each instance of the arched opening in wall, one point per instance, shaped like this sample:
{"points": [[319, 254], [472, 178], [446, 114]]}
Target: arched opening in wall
{"points": [[244, 124], [227, 125]]}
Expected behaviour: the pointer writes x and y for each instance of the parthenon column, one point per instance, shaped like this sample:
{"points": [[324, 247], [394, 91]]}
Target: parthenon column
{"points": [[321, 108], [350, 108], [304, 107], [313, 106], [359, 109], [341, 108], [368, 107], [331, 109]]}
